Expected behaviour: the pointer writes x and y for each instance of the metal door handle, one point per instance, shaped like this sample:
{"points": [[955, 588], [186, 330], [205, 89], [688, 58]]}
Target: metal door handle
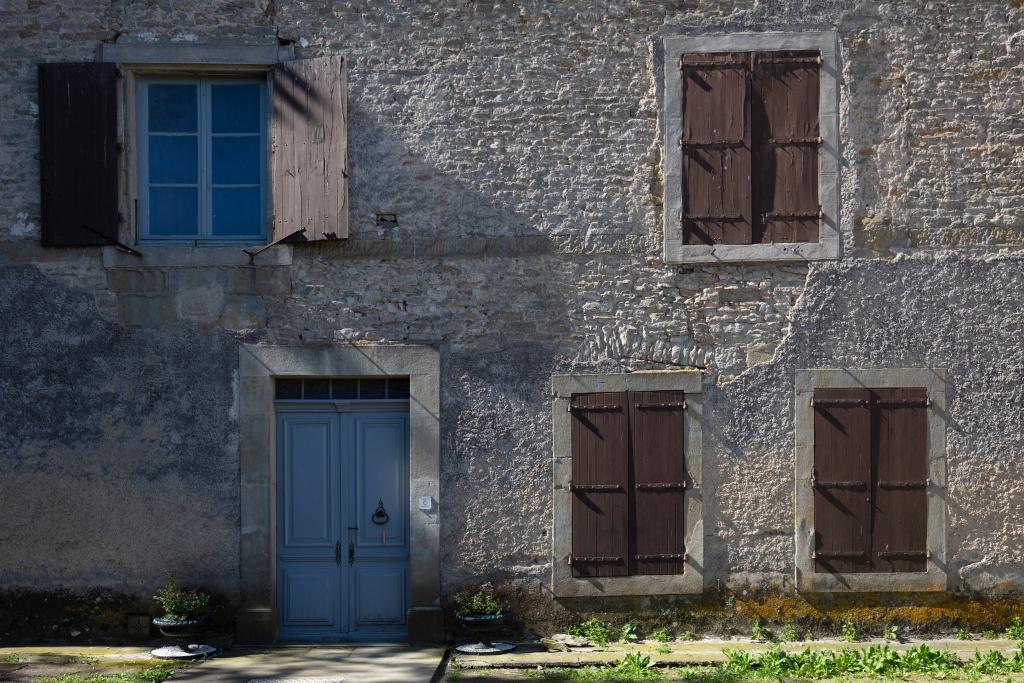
{"points": [[351, 552], [337, 552]]}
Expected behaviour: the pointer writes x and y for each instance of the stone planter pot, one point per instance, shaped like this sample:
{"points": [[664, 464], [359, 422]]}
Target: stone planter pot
{"points": [[182, 630], [482, 626]]}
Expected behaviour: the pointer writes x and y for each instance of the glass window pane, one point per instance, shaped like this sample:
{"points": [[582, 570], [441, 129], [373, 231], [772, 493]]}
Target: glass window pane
{"points": [[236, 161], [398, 388], [317, 388], [236, 211], [173, 159], [173, 211], [372, 388], [288, 388], [172, 108], [236, 108], [342, 389]]}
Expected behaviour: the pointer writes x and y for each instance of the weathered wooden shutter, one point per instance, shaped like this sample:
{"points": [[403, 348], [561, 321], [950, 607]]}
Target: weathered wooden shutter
{"points": [[309, 149], [659, 481], [600, 485], [78, 153], [842, 480], [716, 149], [899, 538], [786, 142]]}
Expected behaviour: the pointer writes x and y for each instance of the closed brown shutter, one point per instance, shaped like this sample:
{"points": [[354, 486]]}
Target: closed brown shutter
{"points": [[659, 481], [899, 537], [309, 148], [842, 480], [716, 148], [786, 143], [600, 485], [78, 153]]}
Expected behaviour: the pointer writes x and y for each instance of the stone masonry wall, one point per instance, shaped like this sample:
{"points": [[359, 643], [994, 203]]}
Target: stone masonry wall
{"points": [[518, 144]]}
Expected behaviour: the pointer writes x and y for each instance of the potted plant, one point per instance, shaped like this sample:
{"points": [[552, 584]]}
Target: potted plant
{"points": [[479, 611], [185, 614]]}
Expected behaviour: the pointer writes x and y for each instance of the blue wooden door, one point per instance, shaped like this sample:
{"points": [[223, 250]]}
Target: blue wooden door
{"points": [[343, 507]]}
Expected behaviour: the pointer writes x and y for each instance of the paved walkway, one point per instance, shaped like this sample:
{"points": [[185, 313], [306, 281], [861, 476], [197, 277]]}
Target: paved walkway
{"points": [[287, 664], [348, 664]]}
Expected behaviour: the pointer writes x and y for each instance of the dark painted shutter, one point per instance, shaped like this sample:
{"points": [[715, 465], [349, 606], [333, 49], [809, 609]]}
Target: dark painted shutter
{"points": [[716, 147], [78, 153], [786, 141], [899, 538], [842, 480], [309, 148], [659, 481], [600, 485]]}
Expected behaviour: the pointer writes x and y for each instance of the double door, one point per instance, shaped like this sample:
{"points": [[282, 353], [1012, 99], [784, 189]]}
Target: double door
{"points": [[342, 535]]}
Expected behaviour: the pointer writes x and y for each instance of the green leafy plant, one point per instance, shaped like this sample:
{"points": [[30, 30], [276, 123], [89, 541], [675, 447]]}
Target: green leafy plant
{"points": [[761, 632], [661, 635], [663, 650], [789, 634], [849, 632], [686, 635], [181, 605], [628, 633], [739, 661], [1015, 631], [594, 630], [477, 601], [964, 634], [891, 632], [988, 635], [635, 666]]}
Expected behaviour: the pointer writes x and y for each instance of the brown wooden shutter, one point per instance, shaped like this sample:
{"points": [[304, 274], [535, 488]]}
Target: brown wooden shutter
{"points": [[659, 481], [600, 485], [78, 153], [309, 147], [842, 480], [716, 148], [899, 538], [786, 143]]}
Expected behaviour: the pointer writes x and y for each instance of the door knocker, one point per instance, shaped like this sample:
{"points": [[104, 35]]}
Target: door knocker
{"points": [[380, 515]]}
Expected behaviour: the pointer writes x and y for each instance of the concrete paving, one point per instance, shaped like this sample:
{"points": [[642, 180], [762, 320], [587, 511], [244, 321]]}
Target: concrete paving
{"points": [[345, 664]]}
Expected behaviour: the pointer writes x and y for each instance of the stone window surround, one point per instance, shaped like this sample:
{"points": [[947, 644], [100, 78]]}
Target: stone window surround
{"points": [[258, 366], [935, 381], [828, 244], [563, 583], [136, 59]]}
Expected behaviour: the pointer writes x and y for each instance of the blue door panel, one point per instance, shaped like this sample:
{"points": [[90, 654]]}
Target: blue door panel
{"points": [[309, 511], [309, 595], [380, 594], [380, 470]]}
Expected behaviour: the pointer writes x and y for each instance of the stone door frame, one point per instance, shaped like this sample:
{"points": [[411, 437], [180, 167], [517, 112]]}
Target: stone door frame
{"points": [[258, 366]]}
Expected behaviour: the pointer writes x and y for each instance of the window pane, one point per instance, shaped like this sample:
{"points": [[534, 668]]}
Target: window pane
{"points": [[173, 159], [288, 388], [236, 211], [173, 211], [236, 161], [236, 108], [344, 388], [316, 388], [172, 108], [372, 388], [398, 388]]}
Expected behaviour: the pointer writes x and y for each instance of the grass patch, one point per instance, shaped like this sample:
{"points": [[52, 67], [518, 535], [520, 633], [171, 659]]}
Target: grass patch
{"points": [[597, 631], [9, 659], [151, 674]]}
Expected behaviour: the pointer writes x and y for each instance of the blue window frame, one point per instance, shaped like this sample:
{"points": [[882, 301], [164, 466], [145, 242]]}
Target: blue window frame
{"points": [[202, 162]]}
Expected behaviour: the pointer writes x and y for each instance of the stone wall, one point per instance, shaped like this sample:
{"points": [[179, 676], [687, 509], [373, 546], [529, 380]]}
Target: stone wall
{"points": [[518, 145]]}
